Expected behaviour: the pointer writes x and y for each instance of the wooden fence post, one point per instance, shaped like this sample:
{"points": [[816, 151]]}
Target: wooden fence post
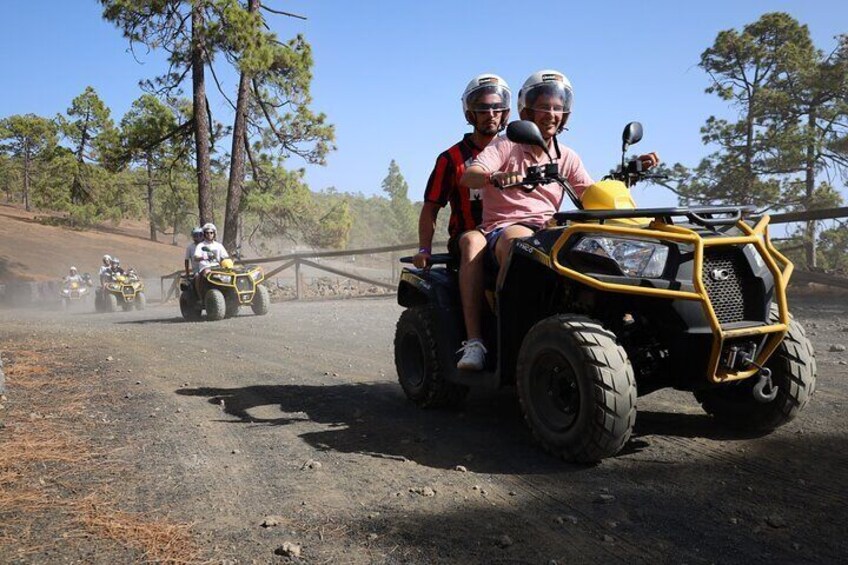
{"points": [[297, 282]]}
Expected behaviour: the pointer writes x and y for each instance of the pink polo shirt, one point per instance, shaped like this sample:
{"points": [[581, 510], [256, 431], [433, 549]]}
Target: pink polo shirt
{"points": [[503, 208]]}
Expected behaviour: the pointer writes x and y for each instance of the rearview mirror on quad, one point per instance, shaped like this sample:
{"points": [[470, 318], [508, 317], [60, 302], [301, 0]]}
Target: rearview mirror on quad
{"points": [[526, 133], [632, 134]]}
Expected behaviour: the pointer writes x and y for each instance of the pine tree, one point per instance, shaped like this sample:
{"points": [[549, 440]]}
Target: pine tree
{"points": [[28, 139], [402, 212], [88, 118]]}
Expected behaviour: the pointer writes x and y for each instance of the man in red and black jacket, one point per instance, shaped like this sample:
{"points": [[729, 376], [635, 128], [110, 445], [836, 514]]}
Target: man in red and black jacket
{"points": [[485, 104]]}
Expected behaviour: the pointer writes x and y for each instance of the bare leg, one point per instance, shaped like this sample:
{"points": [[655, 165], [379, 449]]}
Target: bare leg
{"points": [[198, 284], [472, 245], [504, 243]]}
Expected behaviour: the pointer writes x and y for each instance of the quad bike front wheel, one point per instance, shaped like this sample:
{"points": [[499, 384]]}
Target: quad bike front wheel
{"points": [[576, 388], [232, 300], [216, 305], [261, 300], [420, 367], [110, 302], [793, 372], [140, 301]]}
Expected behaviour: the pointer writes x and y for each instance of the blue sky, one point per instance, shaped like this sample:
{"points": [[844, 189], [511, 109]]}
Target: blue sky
{"points": [[389, 74]]}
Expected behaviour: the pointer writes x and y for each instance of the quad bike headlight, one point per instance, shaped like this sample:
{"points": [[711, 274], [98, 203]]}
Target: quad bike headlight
{"points": [[226, 279], [635, 258], [256, 275]]}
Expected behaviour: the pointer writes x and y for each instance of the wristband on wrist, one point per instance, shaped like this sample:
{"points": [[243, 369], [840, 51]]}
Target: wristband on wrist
{"points": [[424, 250]]}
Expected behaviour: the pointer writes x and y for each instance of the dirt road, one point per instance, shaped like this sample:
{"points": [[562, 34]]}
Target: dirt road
{"points": [[296, 418]]}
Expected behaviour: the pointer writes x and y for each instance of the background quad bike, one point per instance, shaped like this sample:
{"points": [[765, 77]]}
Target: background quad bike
{"points": [[221, 300], [106, 300]]}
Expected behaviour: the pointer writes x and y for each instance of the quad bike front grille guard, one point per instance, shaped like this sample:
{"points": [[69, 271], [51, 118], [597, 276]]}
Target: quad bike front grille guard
{"points": [[243, 291], [779, 266]]}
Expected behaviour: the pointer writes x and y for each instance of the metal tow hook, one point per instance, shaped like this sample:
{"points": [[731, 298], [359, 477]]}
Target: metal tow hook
{"points": [[764, 391]]}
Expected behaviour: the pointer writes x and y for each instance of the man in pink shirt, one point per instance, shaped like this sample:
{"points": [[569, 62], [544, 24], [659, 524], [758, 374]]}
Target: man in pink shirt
{"points": [[545, 98]]}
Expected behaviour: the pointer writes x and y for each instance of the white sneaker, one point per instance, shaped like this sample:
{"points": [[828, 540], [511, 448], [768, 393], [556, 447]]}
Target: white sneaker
{"points": [[473, 355]]}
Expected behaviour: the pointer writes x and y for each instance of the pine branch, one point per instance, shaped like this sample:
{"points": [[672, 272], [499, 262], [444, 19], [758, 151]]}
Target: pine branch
{"points": [[281, 13], [220, 88]]}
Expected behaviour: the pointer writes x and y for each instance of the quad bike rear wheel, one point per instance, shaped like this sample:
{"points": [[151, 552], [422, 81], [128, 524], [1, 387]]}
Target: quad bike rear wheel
{"points": [[793, 372], [261, 300], [576, 388], [216, 305], [420, 367], [188, 306]]}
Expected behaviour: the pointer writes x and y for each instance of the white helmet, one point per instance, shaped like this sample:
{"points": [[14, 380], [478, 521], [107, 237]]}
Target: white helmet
{"points": [[210, 227], [115, 261], [546, 82], [73, 269], [107, 259], [487, 83]]}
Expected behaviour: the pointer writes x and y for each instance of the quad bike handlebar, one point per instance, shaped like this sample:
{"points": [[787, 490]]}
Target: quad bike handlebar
{"points": [[435, 259], [538, 175]]}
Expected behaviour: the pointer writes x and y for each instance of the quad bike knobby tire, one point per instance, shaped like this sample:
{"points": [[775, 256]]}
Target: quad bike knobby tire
{"points": [[419, 366], [140, 301], [110, 303], [793, 372], [216, 305], [188, 307], [261, 300], [232, 302], [576, 388]]}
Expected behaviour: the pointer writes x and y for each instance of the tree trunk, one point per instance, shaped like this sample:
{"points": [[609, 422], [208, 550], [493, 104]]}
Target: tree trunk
{"points": [[176, 227], [201, 117], [810, 189], [749, 149], [150, 197], [234, 188], [78, 192], [26, 179]]}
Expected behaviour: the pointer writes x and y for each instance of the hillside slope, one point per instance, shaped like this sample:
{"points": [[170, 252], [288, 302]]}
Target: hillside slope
{"points": [[30, 250]]}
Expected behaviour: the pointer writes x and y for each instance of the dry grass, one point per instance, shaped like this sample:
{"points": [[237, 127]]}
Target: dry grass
{"points": [[49, 471]]}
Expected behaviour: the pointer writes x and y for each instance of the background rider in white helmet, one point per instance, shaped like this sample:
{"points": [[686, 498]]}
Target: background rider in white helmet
{"points": [[104, 269], [545, 98], [485, 105], [73, 276], [208, 253], [190, 263], [115, 267]]}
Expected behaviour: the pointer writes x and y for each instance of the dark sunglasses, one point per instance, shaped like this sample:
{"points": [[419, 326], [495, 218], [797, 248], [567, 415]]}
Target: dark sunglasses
{"points": [[496, 107]]}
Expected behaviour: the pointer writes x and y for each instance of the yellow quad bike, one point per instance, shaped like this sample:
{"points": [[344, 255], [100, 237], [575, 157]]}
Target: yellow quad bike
{"points": [[226, 288], [75, 291], [610, 302], [125, 291]]}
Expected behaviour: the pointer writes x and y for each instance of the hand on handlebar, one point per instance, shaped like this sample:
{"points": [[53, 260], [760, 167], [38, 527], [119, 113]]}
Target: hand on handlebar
{"points": [[421, 260], [649, 160], [502, 179]]}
